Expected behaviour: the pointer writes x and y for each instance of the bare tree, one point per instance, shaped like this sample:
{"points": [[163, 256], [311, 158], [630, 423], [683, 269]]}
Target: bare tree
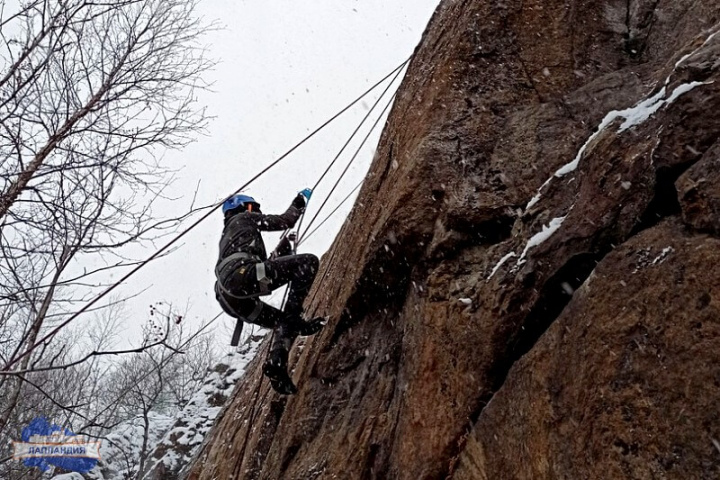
{"points": [[88, 92], [108, 391], [91, 94], [155, 381]]}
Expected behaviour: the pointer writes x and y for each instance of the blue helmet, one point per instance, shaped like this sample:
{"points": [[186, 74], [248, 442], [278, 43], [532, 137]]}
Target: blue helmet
{"points": [[239, 201]]}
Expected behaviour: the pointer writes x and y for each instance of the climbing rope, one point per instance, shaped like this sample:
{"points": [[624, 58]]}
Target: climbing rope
{"points": [[211, 210], [299, 239], [332, 255], [329, 215], [354, 157], [350, 139]]}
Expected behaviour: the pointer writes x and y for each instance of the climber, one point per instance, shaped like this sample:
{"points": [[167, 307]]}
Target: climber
{"points": [[244, 273]]}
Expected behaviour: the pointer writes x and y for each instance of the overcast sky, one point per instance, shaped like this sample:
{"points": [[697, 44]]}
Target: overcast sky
{"points": [[285, 67]]}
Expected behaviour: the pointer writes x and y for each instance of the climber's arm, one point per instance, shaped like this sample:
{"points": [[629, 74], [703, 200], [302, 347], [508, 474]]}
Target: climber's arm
{"points": [[270, 223], [283, 248]]}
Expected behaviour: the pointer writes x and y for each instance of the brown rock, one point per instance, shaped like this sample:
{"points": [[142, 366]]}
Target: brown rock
{"points": [[699, 192], [625, 383], [425, 319]]}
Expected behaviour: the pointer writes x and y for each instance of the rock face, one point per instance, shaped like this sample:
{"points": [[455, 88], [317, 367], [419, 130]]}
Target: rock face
{"points": [[528, 285], [625, 382]]}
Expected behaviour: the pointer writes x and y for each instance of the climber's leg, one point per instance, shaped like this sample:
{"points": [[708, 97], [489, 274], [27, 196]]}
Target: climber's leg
{"points": [[276, 365], [300, 271]]}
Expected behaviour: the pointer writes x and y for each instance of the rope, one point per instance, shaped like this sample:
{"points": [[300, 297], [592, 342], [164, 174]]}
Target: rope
{"points": [[347, 167], [334, 250], [332, 163], [177, 238], [352, 136], [342, 202]]}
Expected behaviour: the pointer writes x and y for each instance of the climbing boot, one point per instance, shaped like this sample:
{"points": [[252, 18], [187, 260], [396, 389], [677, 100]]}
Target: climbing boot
{"points": [[275, 369], [310, 327]]}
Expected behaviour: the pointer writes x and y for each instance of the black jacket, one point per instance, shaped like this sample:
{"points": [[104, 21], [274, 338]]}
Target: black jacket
{"points": [[242, 231]]}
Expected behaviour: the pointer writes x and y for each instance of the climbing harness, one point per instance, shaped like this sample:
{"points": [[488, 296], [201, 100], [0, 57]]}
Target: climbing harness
{"points": [[260, 274], [244, 260]]}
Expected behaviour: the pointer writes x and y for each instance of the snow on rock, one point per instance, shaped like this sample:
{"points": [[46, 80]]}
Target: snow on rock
{"points": [[121, 449], [645, 258], [538, 196], [181, 441], [173, 439], [641, 112], [663, 255], [541, 236], [68, 476], [465, 301], [683, 89], [500, 263], [632, 117]]}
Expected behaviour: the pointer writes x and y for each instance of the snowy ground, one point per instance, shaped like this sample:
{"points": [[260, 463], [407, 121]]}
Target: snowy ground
{"points": [[173, 440]]}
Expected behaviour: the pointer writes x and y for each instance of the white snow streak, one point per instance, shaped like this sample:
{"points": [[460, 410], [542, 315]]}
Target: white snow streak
{"points": [[640, 112], [663, 255], [685, 57], [540, 237], [500, 263], [633, 116], [683, 89]]}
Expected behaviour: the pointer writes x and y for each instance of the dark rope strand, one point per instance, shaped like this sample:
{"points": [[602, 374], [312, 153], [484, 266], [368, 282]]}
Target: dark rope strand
{"points": [[352, 136]]}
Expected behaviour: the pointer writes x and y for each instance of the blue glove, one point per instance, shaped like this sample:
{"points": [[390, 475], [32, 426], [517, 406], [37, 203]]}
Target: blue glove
{"points": [[307, 193]]}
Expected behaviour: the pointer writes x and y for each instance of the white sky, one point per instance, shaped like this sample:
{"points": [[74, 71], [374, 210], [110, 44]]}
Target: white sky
{"points": [[285, 67]]}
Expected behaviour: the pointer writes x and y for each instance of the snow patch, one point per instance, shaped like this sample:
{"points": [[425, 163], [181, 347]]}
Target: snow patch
{"points": [[641, 112], [69, 476], [632, 116], [539, 238], [175, 438], [534, 200], [500, 263], [180, 443], [663, 255], [465, 301], [685, 57], [683, 89]]}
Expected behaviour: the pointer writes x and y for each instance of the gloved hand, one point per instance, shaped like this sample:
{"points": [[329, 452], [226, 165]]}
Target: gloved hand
{"points": [[299, 202], [307, 193]]}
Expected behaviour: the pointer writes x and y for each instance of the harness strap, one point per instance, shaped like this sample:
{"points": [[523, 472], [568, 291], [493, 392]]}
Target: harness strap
{"points": [[262, 278], [250, 319], [233, 257], [236, 333]]}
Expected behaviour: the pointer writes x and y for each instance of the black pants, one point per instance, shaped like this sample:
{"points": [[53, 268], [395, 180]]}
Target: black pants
{"points": [[241, 279]]}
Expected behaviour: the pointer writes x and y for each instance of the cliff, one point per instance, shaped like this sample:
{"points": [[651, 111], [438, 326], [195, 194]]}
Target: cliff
{"points": [[527, 286]]}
